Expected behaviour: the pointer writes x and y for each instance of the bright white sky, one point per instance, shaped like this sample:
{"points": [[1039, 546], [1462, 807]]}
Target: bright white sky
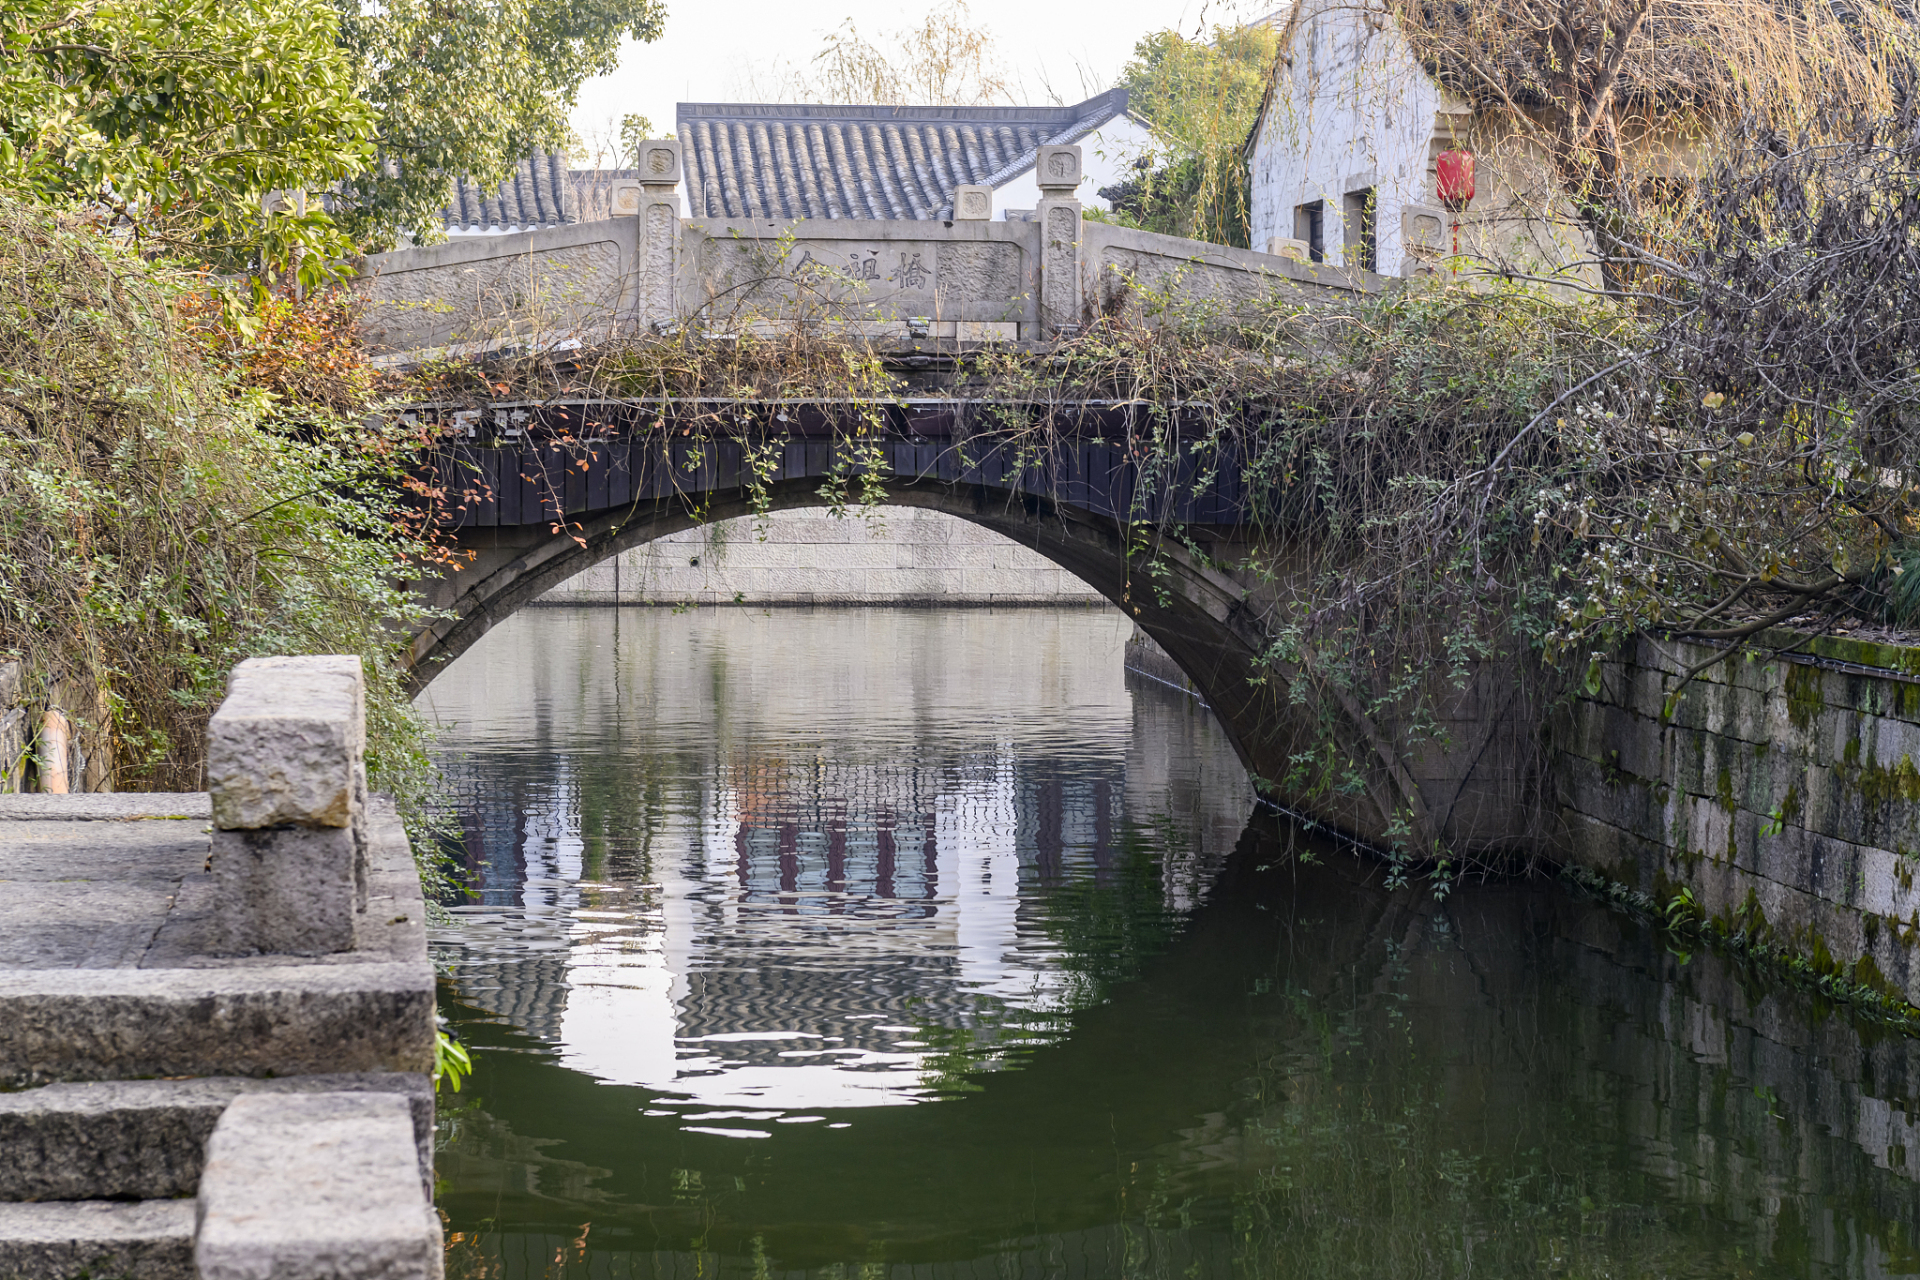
{"points": [[717, 50]]}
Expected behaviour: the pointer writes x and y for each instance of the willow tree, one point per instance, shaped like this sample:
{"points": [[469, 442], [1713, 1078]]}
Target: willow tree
{"points": [[1201, 96]]}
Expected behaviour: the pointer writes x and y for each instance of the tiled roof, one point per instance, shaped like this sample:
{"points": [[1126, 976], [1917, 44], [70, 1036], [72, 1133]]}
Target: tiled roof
{"points": [[539, 194], [752, 160]]}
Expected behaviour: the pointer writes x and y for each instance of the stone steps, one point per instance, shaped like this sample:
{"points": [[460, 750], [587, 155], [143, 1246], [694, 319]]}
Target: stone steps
{"points": [[214, 1044], [146, 1139], [320, 1186], [59, 1240]]}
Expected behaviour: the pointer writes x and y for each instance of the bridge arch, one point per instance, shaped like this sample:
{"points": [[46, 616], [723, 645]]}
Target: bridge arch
{"points": [[1193, 611], [530, 509]]}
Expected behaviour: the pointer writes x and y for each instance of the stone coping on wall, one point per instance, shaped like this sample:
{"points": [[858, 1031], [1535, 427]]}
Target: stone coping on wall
{"points": [[558, 599]]}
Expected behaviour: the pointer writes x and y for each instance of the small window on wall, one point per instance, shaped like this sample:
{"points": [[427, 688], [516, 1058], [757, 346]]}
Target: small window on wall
{"points": [[1362, 239], [1310, 225]]}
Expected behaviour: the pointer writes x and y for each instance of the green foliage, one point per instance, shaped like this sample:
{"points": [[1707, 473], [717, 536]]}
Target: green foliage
{"points": [[174, 119], [467, 90], [451, 1063], [168, 508], [1202, 97], [1902, 586], [634, 130]]}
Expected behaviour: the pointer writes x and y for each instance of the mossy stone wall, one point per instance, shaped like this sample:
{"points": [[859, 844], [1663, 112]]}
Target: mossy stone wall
{"points": [[1777, 795]]}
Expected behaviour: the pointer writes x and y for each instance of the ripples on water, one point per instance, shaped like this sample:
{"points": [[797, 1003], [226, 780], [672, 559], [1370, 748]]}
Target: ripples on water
{"points": [[914, 943]]}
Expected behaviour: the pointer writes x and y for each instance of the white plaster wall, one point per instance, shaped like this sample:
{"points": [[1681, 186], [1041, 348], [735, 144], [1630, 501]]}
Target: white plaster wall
{"points": [[900, 555], [1353, 110], [1106, 157]]}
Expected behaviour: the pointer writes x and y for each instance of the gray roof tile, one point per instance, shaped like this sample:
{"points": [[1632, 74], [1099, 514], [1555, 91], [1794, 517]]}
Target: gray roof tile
{"points": [[539, 194], [772, 160]]}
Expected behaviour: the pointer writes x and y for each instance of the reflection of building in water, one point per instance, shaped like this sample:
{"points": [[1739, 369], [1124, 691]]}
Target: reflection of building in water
{"points": [[836, 902], [519, 829], [527, 990]]}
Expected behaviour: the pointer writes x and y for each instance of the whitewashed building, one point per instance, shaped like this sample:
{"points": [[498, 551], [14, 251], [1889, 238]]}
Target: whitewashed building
{"points": [[1343, 161]]}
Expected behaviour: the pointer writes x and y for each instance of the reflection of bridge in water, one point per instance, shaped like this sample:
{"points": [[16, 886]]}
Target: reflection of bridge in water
{"points": [[1636, 1108], [825, 906], [725, 910], [716, 917]]}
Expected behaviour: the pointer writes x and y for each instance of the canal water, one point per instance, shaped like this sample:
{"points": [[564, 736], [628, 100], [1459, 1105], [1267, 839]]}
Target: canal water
{"points": [[926, 943]]}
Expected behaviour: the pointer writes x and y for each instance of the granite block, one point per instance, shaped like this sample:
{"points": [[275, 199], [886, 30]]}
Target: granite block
{"points": [[315, 1187], [65, 1240], [283, 747], [146, 1139], [290, 891]]}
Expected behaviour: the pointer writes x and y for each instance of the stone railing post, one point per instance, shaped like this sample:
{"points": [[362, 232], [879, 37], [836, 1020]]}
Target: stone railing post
{"points": [[286, 766], [1057, 171], [653, 200], [973, 203]]}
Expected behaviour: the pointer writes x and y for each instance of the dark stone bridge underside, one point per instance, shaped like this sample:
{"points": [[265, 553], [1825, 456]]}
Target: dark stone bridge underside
{"points": [[528, 506]]}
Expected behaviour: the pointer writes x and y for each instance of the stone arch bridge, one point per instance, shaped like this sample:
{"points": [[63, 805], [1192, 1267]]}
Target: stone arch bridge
{"points": [[538, 493], [541, 491]]}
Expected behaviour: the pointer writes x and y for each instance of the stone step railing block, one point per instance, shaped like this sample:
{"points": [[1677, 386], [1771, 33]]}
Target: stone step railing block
{"points": [[286, 767], [313, 1188], [147, 1139], [286, 744]]}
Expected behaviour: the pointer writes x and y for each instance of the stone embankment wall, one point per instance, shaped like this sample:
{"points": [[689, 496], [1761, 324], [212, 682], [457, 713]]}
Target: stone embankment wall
{"points": [[900, 555], [1779, 790]]}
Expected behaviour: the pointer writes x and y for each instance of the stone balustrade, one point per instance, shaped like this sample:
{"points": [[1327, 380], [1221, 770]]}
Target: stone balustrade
{"points": [[968, 278]]}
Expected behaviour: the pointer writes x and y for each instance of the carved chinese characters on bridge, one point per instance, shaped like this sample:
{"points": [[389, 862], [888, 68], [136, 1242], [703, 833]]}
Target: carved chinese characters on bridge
{"points": [[878, 269], [964, 280]]}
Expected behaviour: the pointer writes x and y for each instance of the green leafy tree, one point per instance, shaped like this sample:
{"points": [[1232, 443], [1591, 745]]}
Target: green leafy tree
{"points": [[466, 91], [1202, 97], [174, 120]]}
